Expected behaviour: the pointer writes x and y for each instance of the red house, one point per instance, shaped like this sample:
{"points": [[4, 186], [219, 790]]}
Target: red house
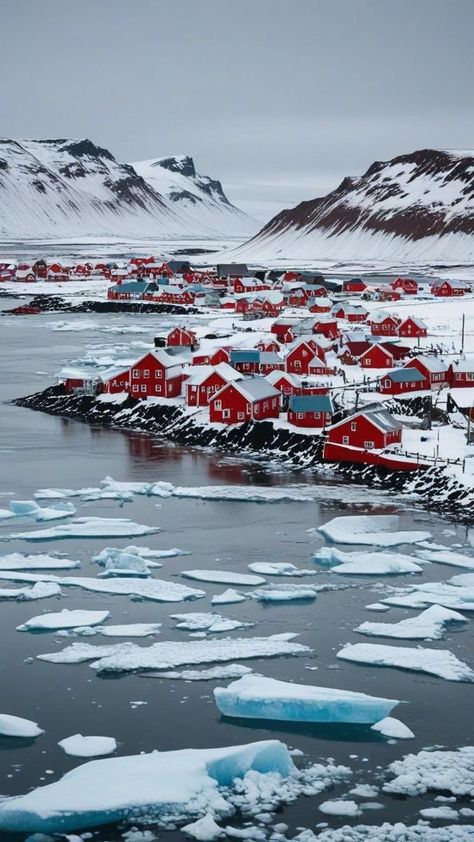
{"points": [[406, 285], [412, 327], [376, 356], [384, 325], [299, 357], [117, 382], [350, 312], [461, 374], [401, 381], [156, 375], [448, 288], [182, 336], [206, 381], [252, 399], [354, 285], [316, 367], [327, 326], [246, 285], [367, 429], [432, 368], [320, 305], [268, 345], [310, 410], [282, 328], [287, 384]]}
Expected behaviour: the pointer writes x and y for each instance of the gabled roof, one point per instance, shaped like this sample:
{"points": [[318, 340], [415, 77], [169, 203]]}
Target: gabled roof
{"points": [[381, 418], [311, 403], [383, 348], [316, 361], [167, 360], [252, 389], [378, 318], [431, 363], [415, 320], [464, 365], [137, 287], [269, 357], [276, 375], [404, 375], [202, 372]]}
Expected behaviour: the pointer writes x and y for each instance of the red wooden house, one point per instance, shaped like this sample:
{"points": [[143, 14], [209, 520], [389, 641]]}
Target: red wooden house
{"points": [[412, 327], [320, 305], [300, 355], [461, 373], [405, 285], [296, 297], [350, 312], [432, 368], [354, 285], [268, 345], [384, 325], [402, 381], [316, 367], [376, 356], [287, 384], [310, 411], [119, 381], [221, 355], [351, 351], [252, 399], [327, 326], [182, 336], [248, 285], [206, 381], [449, 288], [367, 429], [282, 329], [156, 374]]}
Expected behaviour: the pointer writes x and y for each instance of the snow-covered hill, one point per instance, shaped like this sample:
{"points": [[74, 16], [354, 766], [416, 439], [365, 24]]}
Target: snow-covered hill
{"points": [[73, 188], [416, 207]]}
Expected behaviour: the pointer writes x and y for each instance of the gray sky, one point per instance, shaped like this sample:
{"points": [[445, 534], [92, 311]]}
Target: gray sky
{"points": [[283, 96]]}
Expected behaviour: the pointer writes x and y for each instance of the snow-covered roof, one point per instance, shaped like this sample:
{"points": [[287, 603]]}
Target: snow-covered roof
{"points": [[200, 373], [256, 389], [432, 363], [380, 417], [464, 365], [276, 375]]}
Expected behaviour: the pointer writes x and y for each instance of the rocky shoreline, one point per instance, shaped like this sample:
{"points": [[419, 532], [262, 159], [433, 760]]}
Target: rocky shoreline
{"points": [[434, 489], [56, 304]]}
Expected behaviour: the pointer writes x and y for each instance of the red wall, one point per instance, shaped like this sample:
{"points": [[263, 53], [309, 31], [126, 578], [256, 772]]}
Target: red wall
{"points": [[239, 409]]}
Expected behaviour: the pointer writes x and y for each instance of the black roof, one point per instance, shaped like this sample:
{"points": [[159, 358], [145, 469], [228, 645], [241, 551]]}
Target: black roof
{"points": [[178, 266], [233, 269]]}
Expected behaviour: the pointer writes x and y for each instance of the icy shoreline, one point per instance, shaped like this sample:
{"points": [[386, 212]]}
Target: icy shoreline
{"points": [[434, 488]]}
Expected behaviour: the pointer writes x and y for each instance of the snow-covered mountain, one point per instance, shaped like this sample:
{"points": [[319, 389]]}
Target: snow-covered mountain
{"points": [[418, 206], [70, 188], [197, 197]]}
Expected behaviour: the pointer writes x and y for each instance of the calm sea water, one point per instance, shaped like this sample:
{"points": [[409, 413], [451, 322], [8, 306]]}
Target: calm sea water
{"points": [[40, 451]]}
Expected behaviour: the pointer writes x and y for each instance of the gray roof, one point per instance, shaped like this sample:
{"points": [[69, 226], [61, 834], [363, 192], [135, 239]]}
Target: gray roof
{"points": [[404, 375], [257, 388], [232, 269]]}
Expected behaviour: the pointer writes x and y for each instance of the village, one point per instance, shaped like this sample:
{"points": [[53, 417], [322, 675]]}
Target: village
{"points": [[349, 361]]}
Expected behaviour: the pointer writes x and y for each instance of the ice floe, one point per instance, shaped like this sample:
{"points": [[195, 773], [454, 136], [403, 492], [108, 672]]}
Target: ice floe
{"points": [[211, 674], [38, 561], [89, 527], [451, 594], [431, 624], [158, 590], [228, 597], [16, 726], [126, 564], [204, 829], [378, 530], [393, 729], [227, 577], [417, 774], [197, 622], [29, 508], [447, 557], [244, 493], [79, 746], [40, 590], [257, 697], [150, 556], [278, 568], [285, 593], [440, 662], [366, 563], [340, 807], [65, 619], [166, 655], [439, 813], [130, 630]]}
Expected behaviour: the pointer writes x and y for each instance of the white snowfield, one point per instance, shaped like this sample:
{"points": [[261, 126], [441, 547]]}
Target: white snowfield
{"points": [[39, 561], [79, 746], [257, 697], [202, 622], [157, 590], [393, 728], [40, 590], [166, 655], [223, 577], [15, 726], [377, 530], [439, 662], [89, 527], [420, 773], [366, 563], [278, 568], [30, 509], [64, 619], [431, 624]]}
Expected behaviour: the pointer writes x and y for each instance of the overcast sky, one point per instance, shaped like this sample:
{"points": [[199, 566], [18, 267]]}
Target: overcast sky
{"points": [[283, 96]]}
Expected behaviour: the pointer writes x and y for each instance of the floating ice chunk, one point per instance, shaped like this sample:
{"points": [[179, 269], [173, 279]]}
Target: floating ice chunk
{"points": [[379, 530], [277, 568], [285, 593], [40, 590], [207, 622], [211, 674], [393, 728], [447, 557], [398, 832], [429, 625], [89, 527], [157, 590], [228, 597], [175, 785], [439, 813], [463, 580], [15, 726], [130, 630], [126, 564], [55, 493], [245, 493], [340, 807], [204, 829], [40, 561], [438, 771], [366, 563], [124, 657], [364, 791], [377, 606], [79, 746], [110, 484], [28, 508], [448, 594], [64, 619], [223, 576], [438, 662], [257, 697], [143, 552]]}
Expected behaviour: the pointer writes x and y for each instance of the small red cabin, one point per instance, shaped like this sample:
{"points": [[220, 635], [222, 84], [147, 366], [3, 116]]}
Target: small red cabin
{"points": [[253, 399], [412, 327], [448, 288], [354, 285], [310, 411], [376, 356], [461, 374], [182, 336], [206, 381], [299, 357], [432, 368], [384, 325], [156, 375], [406, 285], [367, 429]]}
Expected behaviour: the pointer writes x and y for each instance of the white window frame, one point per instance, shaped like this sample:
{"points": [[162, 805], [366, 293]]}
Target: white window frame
{"points": [[136, 373], [217, 404], [146, 372], [345, 439], [353, 426], [226, 413], [241, 416], [368, 445]]}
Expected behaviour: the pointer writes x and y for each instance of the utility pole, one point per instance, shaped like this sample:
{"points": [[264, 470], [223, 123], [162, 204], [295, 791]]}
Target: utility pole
{"points": [[462, 332]]}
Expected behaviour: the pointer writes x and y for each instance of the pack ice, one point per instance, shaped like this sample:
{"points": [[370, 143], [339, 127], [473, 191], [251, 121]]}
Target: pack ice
{"points": [[65, 619], [158, 590], [426, 771], [254, 696], [365, 563], [108, 554], [440, 662], [15, 726], [378, 530], [429, 625], [278, 568], [449, 557], [203, 622], [285, 593], [89, 527], [38, 561], [40, 590], [457, 594], [29, 508], [126, 564], [169, 787], [223, 577], [166, 655]]}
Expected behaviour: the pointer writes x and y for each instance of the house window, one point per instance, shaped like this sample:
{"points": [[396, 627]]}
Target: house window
{"points": [[158, 373], [345, 439], [265, 405], [146, 372], [469, 375], [368, 444], [135, 387], [158, 388], [353, 426], [297, 364], [387, 383], [241, 416], [136, 373], [143, 388], [275, 402], [217, 404], [317, 415], [226, 413], [304, 353], [368, 361], [300, 415]]}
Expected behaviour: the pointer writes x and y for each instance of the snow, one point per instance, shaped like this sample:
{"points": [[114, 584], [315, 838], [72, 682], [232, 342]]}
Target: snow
{"points": [[130, 630], [15, 726], [440, 662], [40, 590], [439, 813], [123, 657], [431, 624], [204, 829], [39, 561], [417, 774], [380, 530], [223, 576], [285, 593], [79, 746], [211, 674], [228, 597], [171, 786], [157, 590], [64, 619], [207, 622], [393, 728], [275, 568], [340, 807], [89, 527], [447, 557], [365, 563], [398, 832], [267, 698]]}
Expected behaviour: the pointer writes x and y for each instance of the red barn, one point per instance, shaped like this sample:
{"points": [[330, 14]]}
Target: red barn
{"points": [[401, 381], [354, 285], [252, 399], [157, 374], [384, 325], [461, 374], [432, 368], [182, 336], [310, 410], [412, 327], [376, 356], [367, 429], [406, 285], [206, 381]]}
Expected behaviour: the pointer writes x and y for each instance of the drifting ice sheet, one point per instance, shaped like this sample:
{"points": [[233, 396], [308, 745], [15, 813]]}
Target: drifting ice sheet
{"points": [[429, 625], [379, 530], [40, 590], [257, 697], [447, 557], [223, 576], [64, 619], [40, 561], [230, 671], [448, 594], [417, 774], [393, 728], [285, 593], [207, 622], [124, 657], [157, 590], [278, 568], [79, 746], [88, 527], [143, 552], [29, 508], [15, 726], [228, 597], [366, 563], [438, 662]]}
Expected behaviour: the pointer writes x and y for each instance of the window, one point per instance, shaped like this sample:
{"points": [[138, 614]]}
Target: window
{"points": [[158, 388], [136, 373], [143, 388], [297, 364], [265, 405], [158, 373], [146, 372], [368, 361], [386, 383], [226, 413], [353, 426], [135, 387], [275, 402], [304, 353], [217, 404], [345, 439], [241, 416], [469, 375], [368, 444], [300, 415], [317, 415]]}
